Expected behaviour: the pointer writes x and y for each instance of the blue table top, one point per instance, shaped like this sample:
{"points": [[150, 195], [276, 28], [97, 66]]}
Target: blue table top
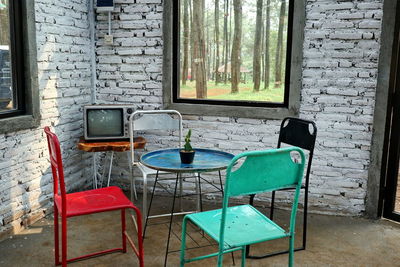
{"points": [[205, 160]]}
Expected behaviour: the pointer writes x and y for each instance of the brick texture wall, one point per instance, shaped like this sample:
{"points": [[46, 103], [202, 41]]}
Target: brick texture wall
{"points": [[341, 49], [341, 52], [63, 55]]}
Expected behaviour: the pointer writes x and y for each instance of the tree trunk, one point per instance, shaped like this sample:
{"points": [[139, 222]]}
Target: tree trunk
{"points": [[5, 25], [226, 40], [257, 48], [236, 46], [267, 33], [199, 43], [208, 47], [262, 48], [229, 36], [216, 22], [192, 46], [279, 46], [185, 63]]}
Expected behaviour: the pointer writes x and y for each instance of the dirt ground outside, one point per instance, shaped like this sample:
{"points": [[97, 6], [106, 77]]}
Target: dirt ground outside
{"points": [[223, 92]]}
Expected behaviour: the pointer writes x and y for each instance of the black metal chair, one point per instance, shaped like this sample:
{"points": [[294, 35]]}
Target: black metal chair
{"points": [[300, 133]]}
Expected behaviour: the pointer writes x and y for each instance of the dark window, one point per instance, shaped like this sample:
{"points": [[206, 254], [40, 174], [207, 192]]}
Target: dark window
{"points": [[12, 87]]}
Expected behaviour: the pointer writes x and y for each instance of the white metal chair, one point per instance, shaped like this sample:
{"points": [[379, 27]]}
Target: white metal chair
{"points": [[148, 120]]}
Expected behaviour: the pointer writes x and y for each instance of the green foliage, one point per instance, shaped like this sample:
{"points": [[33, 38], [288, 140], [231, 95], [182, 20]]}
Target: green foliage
{"points": [[187, 146], [248, 34]]}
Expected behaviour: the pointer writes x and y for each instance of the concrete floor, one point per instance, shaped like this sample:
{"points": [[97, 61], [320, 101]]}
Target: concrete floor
{"points": [[332, 241]]}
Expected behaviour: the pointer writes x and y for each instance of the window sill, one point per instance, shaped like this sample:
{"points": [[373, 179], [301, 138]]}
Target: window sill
{"points": [[295, 83], [18, 123], [233, 111]]}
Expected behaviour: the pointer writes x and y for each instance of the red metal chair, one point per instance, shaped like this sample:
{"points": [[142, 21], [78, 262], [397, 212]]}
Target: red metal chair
{"points": [[86, 202]]}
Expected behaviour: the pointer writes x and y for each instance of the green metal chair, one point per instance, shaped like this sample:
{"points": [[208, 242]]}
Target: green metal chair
{"points": [[236, 227]]}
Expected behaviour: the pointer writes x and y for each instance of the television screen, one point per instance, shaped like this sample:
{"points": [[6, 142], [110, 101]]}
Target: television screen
{"points": [[105, 122]]}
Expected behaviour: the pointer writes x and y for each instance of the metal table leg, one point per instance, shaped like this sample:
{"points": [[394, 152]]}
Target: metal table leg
{"points": [[94, 171], [197, 193], [199, 198], [180, 192], [110, 167], [170, 221], [151, 201]]}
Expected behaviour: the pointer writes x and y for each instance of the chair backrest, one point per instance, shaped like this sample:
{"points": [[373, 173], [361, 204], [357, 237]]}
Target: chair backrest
{"points": [[147, 120], [298, 132], [301, 133], [56, 166], [264, 171]]}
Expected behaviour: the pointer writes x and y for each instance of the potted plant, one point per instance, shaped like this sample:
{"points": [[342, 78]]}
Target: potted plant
{"points": [[187, 153]]}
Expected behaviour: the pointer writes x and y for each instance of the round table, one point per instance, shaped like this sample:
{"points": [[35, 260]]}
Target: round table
{"points": [[205, 160]]}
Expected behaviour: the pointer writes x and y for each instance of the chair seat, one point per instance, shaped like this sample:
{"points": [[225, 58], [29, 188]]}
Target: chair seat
{"points": [[244, 225], [94, 201]]}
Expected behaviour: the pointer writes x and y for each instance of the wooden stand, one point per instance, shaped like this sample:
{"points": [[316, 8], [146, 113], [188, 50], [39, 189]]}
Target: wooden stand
{"points": [[113, 146], [117, 146]]}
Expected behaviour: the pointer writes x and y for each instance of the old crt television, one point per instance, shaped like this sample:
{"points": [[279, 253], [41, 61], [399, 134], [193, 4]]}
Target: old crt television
{"points": [[106, 122]]}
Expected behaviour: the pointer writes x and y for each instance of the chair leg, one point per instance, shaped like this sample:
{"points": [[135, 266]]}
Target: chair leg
{"points": [[56, 237], [271, 213], [305, 214], [220, 258], [183, 242], [243, 256], [291, 249], [140, 237], [222, 191], [251, 202], [123, 228], [133, 180], [64, 241]]}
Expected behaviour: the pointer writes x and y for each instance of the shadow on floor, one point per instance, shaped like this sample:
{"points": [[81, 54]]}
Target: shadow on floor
{"points": [[332, 240]]}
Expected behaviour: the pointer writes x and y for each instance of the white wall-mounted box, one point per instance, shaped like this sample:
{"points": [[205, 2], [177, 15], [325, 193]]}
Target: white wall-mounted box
{"points": [[105, 5]]}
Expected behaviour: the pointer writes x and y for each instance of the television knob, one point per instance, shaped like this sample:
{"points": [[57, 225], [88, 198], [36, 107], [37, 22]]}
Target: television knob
{"points": [[129, 111]]}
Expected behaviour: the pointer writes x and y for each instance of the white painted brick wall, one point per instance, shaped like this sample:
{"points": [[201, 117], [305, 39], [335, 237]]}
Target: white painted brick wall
{"points": [[341, 94], [341, 52], [26, 189]]}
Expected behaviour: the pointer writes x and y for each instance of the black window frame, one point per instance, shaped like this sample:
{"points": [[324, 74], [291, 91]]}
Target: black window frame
{"points": [[176, 72], [17, 62], [293, 75], [25, 75]]}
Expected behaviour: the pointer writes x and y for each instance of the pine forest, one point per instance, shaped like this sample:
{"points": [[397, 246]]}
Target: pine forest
{"points": [[233, 50]]}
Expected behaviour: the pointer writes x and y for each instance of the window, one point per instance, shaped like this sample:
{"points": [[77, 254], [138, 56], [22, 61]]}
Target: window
{"points": [[230, 58], [11, 66], [18, 72]]}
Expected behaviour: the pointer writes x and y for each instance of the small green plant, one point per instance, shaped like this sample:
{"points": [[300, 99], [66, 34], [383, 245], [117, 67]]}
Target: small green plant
{"points": [[187, 146]]}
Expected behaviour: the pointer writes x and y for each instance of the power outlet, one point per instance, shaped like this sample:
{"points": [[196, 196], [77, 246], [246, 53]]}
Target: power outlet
{"points": [[108, 39]]}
